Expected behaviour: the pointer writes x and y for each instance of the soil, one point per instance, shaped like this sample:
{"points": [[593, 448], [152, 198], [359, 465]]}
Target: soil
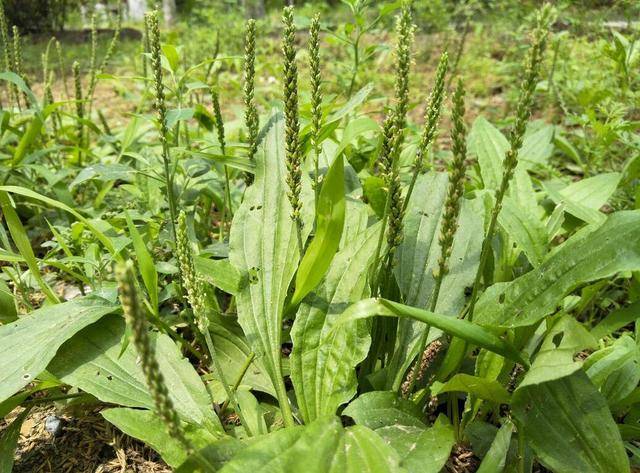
{"points": [[86, 444]]}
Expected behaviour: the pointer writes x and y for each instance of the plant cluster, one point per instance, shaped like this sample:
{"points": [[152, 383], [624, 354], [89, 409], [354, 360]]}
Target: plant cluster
{"points": [[252, 295]]}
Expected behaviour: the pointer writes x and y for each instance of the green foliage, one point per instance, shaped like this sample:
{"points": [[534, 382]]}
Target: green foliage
{"points": [[338, 275]]}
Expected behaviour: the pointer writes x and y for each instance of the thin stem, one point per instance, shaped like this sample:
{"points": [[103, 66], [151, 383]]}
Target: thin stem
{"points": [[45, 400], [243, 372]]}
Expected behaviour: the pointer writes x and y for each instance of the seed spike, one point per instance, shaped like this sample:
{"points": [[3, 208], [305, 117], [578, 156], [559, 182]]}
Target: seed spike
{"points": [[316, 95], [161, 108], [292, 123], [93, 61], [516, 136], [431, 119], [136, 318], [77, 82], [196, 297], [251, 119], [18, 63], [448, 228], [392, 138]]}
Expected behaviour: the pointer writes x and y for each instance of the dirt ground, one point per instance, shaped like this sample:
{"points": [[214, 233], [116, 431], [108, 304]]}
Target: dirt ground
{"points": [[87, 444]]}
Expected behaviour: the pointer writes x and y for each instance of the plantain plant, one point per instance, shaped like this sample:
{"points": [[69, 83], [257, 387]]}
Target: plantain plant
{"points": [[245, 304]]}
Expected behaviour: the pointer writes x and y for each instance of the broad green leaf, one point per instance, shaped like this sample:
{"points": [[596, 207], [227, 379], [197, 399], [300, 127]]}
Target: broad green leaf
{"points": [[362, 450], [400, 423], [170, 52], [220, 273], [490, 147], [482, 388], [601, 364], [8, 310], [323, 361], [32, 133], [146, 426], [354, 129], [22, 85], [378, 409], [233, 351], [589, 255], [94, 361], [268, 454], [468, 331], [264, 248], [330, 212], [616, 320], [621, 383], [575, 208], [421, 450], [555, 358], [324, 446], [21, 240], [216, 454], [537, 147], [526, 229], [104, 172], [252, 413], [177, 115], [29, 343], [568, 424], [418, 258], [145, 263], [593, 192], [9, 442], [355, 100], [563, 416], [495, 459]]}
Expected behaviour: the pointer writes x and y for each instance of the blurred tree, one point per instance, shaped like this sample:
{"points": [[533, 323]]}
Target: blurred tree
{"points": [[169, 11], [253, 8], [137, 8]]}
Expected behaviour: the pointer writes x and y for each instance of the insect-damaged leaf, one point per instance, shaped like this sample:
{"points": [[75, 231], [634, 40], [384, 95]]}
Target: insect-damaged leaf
{"points": [[29, 343], [93, 362], [263, 247], [589, 255], [418, 258]]}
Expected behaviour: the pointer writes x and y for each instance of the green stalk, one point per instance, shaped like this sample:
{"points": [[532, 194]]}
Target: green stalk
{"points": [[448, 227], [217, 112], [156, 64], [523, 113], [431, 119], [292, 122], [316, 99]]}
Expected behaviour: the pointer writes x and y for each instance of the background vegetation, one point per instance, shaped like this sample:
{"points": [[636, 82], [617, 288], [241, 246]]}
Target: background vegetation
{"points": [[219, 234]]}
